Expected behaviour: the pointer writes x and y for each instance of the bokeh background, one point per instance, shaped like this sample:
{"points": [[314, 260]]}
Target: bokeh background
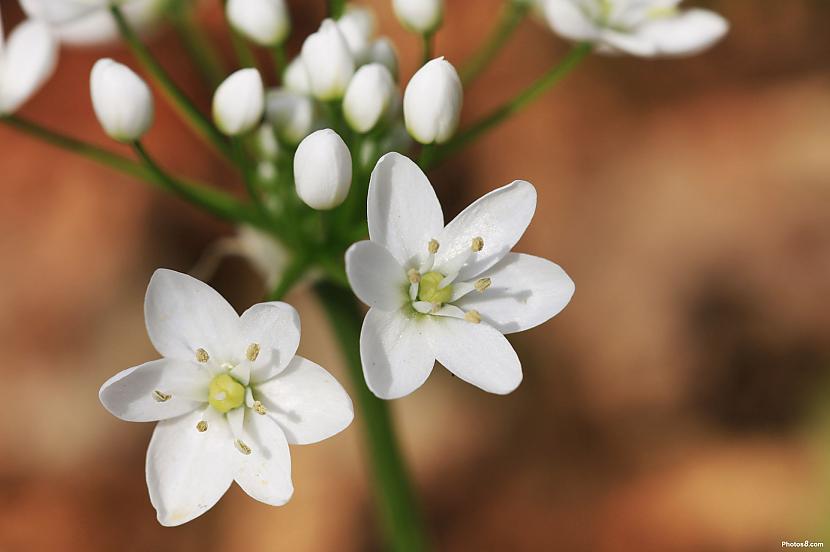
{"points": [[679, 403]]}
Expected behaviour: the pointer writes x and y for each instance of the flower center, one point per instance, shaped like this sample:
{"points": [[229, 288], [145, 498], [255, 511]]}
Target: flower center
{"points": [[225, 393], [429, 289]]}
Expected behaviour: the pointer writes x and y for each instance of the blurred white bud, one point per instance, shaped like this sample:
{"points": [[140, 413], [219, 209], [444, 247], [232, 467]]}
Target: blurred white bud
{"points": [[122, 101], [239, 102], [267, 146], [293, 115], [357, 26], [328, 62], [323, 170], [368, 97], [265, 22], [382, 51], [420, 16], [295, 77], [432, 102]]}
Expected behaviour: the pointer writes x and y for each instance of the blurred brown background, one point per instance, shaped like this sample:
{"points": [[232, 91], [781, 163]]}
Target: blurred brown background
{"points": [[677, 404]]}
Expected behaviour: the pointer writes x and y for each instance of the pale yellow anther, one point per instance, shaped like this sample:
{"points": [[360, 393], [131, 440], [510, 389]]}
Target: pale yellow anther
{"points": [[472, 316], [202, 355], [482, 284], [242, 447], [201, 427], [477, 245], [259, 408], [433, 247], [161, 397], [252, 352], [413, 275]]}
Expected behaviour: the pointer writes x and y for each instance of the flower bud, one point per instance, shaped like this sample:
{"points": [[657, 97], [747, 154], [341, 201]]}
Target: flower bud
{"points": [[419, 16], [265, 22], [293, 115], [122, 101], [432, 102], [323, 170], [382, 51], [357, 26], [368, 97], [328, 62], [239, 102], [295, 78]]}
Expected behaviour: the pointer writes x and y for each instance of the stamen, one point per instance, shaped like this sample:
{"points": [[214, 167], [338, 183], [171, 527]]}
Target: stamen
{"points": [[201, 427], [259, 408], [477, 245], [161, 397], [413, 275], [482, 284], [202, 355], [253, 352], [242, 447], [472, 316], [433, 247]]}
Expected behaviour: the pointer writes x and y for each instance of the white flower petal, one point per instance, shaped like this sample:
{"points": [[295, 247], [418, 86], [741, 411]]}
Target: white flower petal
{"points": [[395, 353], [275, 327], [183, 314], [29, 59], [376, 276], [265, 473], [525, 292], [403, 210], [500, 218], [307, 402], [688, 33], [131, 394], [477, 353], [565, 17], [188, 471]]}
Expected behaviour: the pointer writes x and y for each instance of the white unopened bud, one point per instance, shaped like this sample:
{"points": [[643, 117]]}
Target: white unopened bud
{"points": [[420, 16], [295, 77], [293, 115], [432, 102], [239, 102], [328, 62], [265, 22], [357, 26], [323, 170], [382, 51], [368, 97], [122, 101]]}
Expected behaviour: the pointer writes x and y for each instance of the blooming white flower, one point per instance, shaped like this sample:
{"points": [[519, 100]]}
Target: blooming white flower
{"points": [[420, 16], [357, 26], [229, 395], [239, 102], [447, 293], [328, 62], [122, 101], [383, 51], [266, 22], [323, 170], [368, 96], [432, 102], [27, 60], [293, 115], [646, 28]]}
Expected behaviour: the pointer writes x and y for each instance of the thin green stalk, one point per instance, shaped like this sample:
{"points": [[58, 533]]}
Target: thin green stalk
{"points": [[428, 43], [191, 114], [198, 46], [526, 97], [206, 198], [514, 13], [395, 499]]}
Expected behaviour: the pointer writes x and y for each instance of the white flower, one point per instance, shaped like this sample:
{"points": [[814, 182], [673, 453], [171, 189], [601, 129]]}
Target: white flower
{"points": [[323, 170], [382, 51], [357, 26], [27, 60], [432, 102], [420, 16], [644, 28], [368, 96], [239, 102], [265, 22], [447, 293], [229, 396], [293, 115], [122, 101], [295, 77], [328, 62]]}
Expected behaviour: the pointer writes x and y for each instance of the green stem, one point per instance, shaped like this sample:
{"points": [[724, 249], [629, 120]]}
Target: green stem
{"points": [[526, 97], [428, 43], [193, 116], [395, 499], [513, 14]]}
